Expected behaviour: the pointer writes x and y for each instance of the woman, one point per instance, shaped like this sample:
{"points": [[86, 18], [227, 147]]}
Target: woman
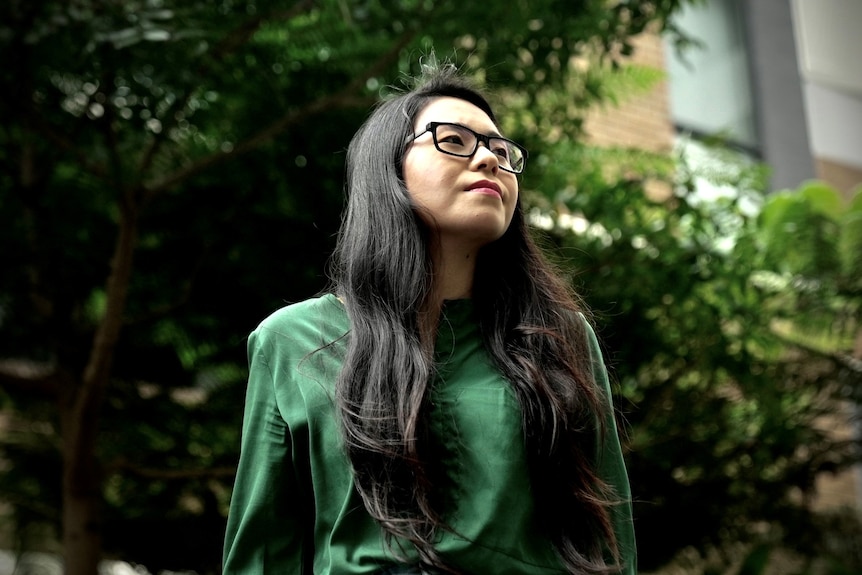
{"points": [[445, 408]]}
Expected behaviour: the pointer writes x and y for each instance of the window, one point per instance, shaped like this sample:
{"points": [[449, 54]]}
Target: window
{"points": [[710, 88]]}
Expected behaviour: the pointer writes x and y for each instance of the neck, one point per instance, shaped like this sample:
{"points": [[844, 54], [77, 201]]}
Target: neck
{"points": [[454, 268]]}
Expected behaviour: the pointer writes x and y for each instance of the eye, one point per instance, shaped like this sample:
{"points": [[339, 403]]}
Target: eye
{"points": [[451, 139], [501, 150], [454, 138]]}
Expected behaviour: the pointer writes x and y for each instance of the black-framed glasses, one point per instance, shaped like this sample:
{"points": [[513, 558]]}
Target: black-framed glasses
{"points": [[461, 141]]}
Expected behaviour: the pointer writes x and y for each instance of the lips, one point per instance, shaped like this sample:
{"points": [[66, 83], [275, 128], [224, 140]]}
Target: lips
{"points": [[486, 187]]}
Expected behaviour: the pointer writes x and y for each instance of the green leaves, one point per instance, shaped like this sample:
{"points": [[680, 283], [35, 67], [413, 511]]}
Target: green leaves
{"points": [[811, 237], [817, 229], [223, 125], [725, 314]]}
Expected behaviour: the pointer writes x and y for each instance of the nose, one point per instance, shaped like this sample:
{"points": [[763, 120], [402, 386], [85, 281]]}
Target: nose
{"points": [[484, 158]]}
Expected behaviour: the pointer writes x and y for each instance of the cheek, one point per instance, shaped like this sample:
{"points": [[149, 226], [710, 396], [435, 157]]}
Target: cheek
{"points": [[415, 174], [510, 212], [516, 192], [415, 180]]}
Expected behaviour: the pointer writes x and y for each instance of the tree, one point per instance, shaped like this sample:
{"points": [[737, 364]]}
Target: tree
{"points": [[170, 172], [730, 324]]}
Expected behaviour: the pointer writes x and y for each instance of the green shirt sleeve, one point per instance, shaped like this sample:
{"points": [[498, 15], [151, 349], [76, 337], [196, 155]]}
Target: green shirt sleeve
{"points": [[611, 465], [266, 495]]}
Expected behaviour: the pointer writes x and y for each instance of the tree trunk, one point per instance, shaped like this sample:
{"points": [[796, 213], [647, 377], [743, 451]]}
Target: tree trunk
{"points": [[82, 541], [80, 408]]}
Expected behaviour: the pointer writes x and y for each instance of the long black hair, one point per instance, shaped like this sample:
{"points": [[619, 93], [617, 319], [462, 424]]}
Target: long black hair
{"points": [[531, 326]]}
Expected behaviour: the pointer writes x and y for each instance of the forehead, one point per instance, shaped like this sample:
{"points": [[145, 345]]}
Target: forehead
{"points": [[448, 109]]}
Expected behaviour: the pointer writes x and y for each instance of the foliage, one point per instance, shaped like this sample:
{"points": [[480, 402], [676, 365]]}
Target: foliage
{"points": [[170, 173], [196, 150], [709, 307]]}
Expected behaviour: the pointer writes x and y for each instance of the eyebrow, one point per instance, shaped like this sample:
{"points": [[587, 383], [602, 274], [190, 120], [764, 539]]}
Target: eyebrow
{"points": [[492, 134]]}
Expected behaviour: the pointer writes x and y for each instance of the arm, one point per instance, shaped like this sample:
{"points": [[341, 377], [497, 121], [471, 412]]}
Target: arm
{"points": [[265, 528], [611, 466]]}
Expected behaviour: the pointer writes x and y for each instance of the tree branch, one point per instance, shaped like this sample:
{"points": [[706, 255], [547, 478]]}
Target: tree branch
{"points": [[229, 44], [252, 143], [242, 34], [342, 99], [97, 370]]}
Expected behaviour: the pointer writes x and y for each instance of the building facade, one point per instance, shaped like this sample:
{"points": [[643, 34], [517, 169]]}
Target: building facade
{"points": [[781, 82]]}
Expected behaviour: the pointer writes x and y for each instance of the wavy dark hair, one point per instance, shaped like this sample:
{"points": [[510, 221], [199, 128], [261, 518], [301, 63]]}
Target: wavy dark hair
{"points": [[531, 327]]}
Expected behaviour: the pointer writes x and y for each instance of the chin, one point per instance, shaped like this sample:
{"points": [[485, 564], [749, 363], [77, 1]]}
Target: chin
{"points": [[475, 232], [483, 237]]}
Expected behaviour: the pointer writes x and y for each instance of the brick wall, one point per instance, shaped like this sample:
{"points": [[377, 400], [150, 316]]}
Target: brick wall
{"points": [[643, 120], [843, 177]]}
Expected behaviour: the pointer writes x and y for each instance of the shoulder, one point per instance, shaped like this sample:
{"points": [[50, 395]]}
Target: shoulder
{"points": [[300, 312], [596, 358], [318, 319], [584, 335], [592, 339]]}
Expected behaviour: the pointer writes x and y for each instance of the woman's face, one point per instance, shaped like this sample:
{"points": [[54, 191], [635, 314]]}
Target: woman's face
{"points": [[467, 200]]}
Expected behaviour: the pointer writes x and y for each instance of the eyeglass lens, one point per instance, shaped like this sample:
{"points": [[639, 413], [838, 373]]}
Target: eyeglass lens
{"points": [[460, 141]]}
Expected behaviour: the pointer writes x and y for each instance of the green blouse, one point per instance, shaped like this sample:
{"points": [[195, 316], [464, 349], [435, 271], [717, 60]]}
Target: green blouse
{"points": [[294, 509]]}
